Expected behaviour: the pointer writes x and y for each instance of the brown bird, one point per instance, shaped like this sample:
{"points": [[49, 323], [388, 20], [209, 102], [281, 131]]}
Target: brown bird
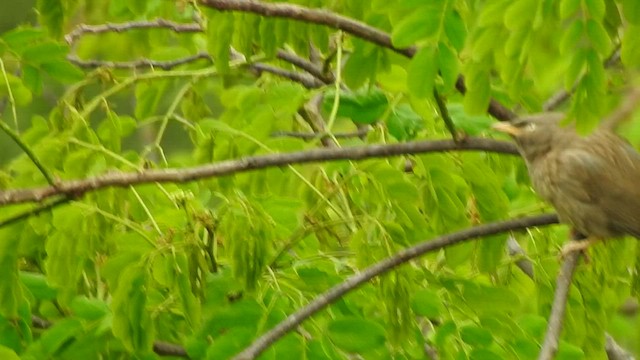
{"points": [[592, 181]]}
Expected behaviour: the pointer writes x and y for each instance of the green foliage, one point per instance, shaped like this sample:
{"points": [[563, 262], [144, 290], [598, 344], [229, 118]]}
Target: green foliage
{"points": [[214, 263]]}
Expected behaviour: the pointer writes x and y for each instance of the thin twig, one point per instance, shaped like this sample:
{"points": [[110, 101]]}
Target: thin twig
{"points": [[515, 250], [444, 114], [554, 326], [136, 64], [306, 80], [180, 175], [357, 280], [35, 211], [308, 66], [84, 29], [310, 136], [27, 150]]}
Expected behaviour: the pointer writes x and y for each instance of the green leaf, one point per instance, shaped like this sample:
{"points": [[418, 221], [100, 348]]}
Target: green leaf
{"points": [[476, 336], [21, 94], [60, 334], [44, 52], [489, 299], [631, 11], [422, 72], [428, 303], [132, 322], [356, 334], [32, 79], [403, 123], [10, 291], [568, 8], [8, 354], [519, 14], [575, 69], [362, 107], [62, 71], [137, 7], [449, 66], [422, 24], [568, 351], [51, 15], [571, 37], [219, 35], [476, 100], [362, 65], [37, 285], [89, 309], [456, 30], [484, 354], [22, 37], [597, 9], [630, 52], [598, 36]]}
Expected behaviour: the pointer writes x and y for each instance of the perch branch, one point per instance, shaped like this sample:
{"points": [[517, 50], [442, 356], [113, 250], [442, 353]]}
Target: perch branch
{"points": [[357, 280], [554, 326], [228, 167], [611, 347]]}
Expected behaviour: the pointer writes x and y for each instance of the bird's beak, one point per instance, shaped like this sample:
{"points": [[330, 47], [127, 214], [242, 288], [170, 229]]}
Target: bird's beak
{"points": [[507, 128]]}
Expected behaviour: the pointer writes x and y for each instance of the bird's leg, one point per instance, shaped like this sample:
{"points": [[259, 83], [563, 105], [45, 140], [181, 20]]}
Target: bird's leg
{"points": [[578, 245]]}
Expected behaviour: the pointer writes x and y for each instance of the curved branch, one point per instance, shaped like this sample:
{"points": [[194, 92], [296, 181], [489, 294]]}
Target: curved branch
{"points": [[78, 187], [554, 326], [355, 281]]}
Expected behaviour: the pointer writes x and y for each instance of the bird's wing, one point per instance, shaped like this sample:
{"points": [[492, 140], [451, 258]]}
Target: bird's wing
{"points": [[608, 178]]}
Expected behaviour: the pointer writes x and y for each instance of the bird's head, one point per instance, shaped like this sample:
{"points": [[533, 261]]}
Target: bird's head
{"points": [[537, 134]]}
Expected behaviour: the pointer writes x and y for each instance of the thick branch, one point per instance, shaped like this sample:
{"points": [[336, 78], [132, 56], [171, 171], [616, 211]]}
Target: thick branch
{"points": [[554, 326], [228, 167], [315, 16], [355, 281]]}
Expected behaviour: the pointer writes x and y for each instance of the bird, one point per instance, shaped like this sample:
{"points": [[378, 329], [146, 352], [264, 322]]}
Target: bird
{"points": [[592, 181]]}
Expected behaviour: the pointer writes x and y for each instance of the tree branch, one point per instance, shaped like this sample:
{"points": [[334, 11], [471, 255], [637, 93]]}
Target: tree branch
{"points": [[611, 347], [307, 80], [136, 64], [355, 281], [554, 326], [83, 29], [78, 187], [306, 65]]}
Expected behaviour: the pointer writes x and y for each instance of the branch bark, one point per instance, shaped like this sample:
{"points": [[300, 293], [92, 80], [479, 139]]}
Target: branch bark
{"points": [[554, 326], [74, 188], [355, 281]]}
